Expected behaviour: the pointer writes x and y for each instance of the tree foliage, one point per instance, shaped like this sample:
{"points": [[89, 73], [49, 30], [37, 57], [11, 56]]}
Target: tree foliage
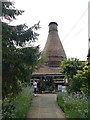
{"points": [[78, 74], [9, 12], [70, 66], [80, 81], [17, 63]]}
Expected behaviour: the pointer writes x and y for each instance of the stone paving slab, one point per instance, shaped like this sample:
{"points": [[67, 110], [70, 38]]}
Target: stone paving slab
{"points": [[45, 106]]}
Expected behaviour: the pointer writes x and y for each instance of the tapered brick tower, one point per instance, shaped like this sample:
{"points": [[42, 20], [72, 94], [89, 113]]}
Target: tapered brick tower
{"points": [[54, 54], [54, 50]]}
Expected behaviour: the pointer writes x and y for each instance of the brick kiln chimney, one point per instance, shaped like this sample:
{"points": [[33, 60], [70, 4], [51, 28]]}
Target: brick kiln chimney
{"points": [[54, 50]]}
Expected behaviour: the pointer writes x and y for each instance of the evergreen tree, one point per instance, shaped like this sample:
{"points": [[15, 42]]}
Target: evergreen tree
{"points": [[17, 63]]}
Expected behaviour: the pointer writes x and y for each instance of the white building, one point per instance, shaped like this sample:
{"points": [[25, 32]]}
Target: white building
{"points": [[88, 25]]}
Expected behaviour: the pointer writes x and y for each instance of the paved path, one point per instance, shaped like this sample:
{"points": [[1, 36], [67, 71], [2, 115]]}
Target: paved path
{"points": [[45, 106]]}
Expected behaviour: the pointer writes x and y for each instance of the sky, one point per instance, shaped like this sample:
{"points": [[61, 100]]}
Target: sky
{"points": [[71, 17]]}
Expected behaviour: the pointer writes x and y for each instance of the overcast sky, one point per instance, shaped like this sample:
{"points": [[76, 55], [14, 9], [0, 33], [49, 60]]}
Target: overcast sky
{"points": [[72, 19]]}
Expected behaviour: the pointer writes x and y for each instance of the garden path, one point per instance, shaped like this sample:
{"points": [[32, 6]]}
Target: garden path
{"points": [[45, 106]]}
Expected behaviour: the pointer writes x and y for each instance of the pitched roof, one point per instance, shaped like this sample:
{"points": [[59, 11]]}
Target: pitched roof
{"points": [[47, 70]]}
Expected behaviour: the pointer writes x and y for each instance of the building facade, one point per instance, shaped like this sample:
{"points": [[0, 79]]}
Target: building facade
{"points": [[88, 56]]}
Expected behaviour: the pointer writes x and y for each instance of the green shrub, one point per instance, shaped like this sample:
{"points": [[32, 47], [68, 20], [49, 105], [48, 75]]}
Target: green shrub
{"points": [[17, 107], [8, 109]]}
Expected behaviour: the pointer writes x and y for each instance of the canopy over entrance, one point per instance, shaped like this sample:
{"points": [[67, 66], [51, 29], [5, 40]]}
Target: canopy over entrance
{"points": [[48, 79]]}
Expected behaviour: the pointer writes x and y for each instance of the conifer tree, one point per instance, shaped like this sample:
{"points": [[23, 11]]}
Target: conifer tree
{"points": [[17, 63]]}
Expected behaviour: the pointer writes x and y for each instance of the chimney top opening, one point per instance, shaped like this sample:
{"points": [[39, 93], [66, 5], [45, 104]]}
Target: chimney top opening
{"points": [[53, 23]]}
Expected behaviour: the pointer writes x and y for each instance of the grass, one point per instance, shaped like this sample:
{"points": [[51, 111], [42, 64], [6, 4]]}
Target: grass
{"points": [[60, 102], [75, 106], [22, 103]]}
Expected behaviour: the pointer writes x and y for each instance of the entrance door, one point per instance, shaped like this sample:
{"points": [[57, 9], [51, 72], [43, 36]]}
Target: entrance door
{"points": [[46, 85]]}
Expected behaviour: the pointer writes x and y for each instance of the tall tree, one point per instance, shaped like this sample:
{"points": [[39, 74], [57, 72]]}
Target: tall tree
{"points": [[16, 62]]}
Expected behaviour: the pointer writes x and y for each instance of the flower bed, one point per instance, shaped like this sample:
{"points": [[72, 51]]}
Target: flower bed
{"points": [[74, 105]]}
